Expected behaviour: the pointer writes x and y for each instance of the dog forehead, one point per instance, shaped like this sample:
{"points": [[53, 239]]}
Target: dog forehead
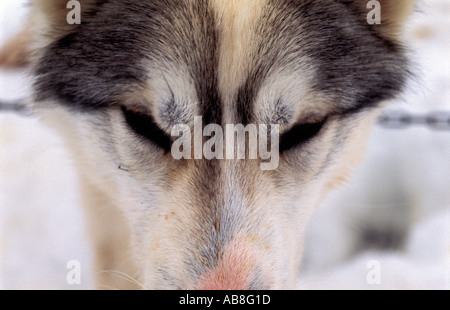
{"points": [[252, 73], [255, 78], [240, 61]]}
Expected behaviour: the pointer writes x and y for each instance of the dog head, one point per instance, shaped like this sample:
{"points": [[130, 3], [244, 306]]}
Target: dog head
{"points": [[123, 79]]}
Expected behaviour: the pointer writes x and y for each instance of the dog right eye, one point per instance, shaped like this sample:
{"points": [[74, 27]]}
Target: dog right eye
{"points": [[299, 135], [144, 125]]}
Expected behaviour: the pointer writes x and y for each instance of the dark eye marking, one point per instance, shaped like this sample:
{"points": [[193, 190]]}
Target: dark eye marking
{"points": [[300, 134], [144, 125]]}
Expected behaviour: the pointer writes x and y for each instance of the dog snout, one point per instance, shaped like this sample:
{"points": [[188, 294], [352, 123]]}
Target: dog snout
{"points": [[239, 267]]}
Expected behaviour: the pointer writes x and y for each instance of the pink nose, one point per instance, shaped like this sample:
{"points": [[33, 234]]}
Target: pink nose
{"points": [[235, 270]]}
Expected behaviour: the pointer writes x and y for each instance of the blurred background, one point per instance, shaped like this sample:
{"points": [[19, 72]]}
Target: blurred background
{"points": [[388, 228]]}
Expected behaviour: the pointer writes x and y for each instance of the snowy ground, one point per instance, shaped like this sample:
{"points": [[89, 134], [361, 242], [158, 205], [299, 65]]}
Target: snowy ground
{"points": [[403, 187]]}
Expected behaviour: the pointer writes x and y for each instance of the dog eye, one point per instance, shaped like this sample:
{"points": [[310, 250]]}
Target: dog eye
{"points": [[144, 125], [300, 134]]}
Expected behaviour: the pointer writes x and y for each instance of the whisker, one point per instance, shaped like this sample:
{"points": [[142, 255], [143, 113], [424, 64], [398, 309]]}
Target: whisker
{"points": [[124, 276]]}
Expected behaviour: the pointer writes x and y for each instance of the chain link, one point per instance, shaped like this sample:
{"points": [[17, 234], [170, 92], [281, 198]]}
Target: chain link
{"points": [[14, 106], [402, 119]]}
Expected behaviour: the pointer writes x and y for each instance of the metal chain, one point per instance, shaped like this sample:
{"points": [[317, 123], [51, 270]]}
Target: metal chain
{"points": [[395, 119], [14, 106], [402, 119]]}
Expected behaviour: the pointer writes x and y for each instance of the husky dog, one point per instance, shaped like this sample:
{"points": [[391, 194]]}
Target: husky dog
{"points": [[116, 84]]}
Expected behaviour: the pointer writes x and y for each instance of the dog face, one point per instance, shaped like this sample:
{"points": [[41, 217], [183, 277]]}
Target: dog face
{"points": [[119, 83]]}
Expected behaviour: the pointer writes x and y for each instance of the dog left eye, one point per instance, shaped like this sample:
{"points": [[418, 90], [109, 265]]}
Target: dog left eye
{"points": [[144, 125], [299, 135]]}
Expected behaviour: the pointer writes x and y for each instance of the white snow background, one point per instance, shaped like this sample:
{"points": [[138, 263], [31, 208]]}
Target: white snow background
{"points": [[404, 185]]}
